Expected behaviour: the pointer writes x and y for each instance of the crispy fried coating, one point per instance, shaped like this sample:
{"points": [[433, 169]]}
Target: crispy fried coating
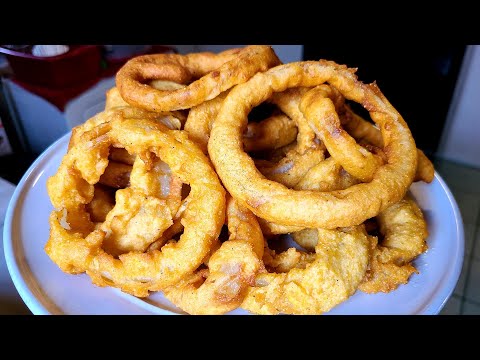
{"points": [[216, 73], [271, 133], [425, 170], [327, 175], [140, 206], [293, 167], [306, 238], [362, 130], [102, 203], [117, 113], [288, 101], [71, 188], [200, 119], [341, 259], [114, 99], [155, 178], [322, 117], [270, 228], [276, 203], [231, 268], [176, 118], [405, 233], [135, 222], [285, 261]]}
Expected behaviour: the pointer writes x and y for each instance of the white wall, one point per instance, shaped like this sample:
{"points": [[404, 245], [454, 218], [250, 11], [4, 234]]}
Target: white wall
{"points": [[461, 136]]}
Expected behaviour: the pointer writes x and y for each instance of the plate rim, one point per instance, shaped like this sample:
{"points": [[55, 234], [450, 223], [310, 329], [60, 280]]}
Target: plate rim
{"points": [[457, 269], [22, 287], [433, 308]]}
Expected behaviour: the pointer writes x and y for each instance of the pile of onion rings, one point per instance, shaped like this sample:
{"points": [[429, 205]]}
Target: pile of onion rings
{"points": [[231, 181]]}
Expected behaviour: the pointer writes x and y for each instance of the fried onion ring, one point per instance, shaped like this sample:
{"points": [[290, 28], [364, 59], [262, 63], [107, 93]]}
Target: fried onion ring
{"points": [[405, 231], [362, 130], [307, 152], [271, 133], [127, 111], [341, 259], [288, 101], [425, 170], [114, 99], [274, 132], [323, 119], [270, 228], [136, 220], [215, 73], [231, 269], [327, 175], [273, 201], [286, 260], [293, 167], [139, 203], [155, 178], [76, 247], [177, 118]]}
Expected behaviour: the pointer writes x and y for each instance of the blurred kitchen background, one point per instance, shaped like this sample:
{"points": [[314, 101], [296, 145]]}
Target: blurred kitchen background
{"points": [[45, 90]]}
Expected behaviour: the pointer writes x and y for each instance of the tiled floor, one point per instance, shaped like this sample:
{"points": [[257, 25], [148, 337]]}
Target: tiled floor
{"points": [[464, 183]]}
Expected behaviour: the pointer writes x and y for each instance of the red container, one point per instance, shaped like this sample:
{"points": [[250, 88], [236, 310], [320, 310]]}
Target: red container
{"points": [[81, 64]]}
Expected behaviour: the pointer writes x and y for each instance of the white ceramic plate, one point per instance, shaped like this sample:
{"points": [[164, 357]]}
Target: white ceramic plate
{"points": [[47, 290]]}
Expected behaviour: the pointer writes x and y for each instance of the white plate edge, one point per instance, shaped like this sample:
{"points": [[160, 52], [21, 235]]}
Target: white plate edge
{"points": [[22, 287], [448, 288]]}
